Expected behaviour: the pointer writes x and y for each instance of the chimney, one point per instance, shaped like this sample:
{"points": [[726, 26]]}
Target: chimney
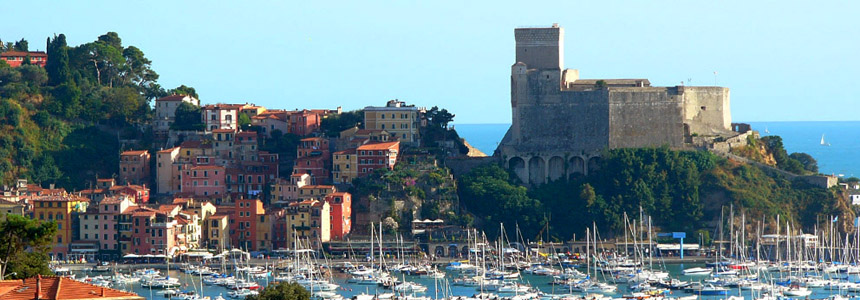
{"points": [[38, 286]]}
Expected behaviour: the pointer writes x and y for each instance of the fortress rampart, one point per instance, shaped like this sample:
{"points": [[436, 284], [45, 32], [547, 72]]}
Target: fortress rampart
{"points": [[561, 123]]}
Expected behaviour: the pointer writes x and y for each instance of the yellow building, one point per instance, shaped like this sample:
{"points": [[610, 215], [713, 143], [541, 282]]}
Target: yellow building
{"points": [[264, 232], [345, 165], [59, 209], [310, 221], [401, 120], [167, 171], [217, 236], [317, 192], [10, 208]]}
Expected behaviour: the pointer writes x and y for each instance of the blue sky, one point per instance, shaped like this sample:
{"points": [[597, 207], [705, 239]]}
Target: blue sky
{"points": [[783, 60]]}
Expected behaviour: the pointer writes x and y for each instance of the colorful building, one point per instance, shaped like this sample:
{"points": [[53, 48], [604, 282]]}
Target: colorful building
{"points": [[309, 221], [221, 116], [304, 122], [168, 171], [341, 214], [205, 180], [99, 226], [217, 235], [248, 214], [16, 58], [401, 120], [286, 191], [270, 121], [134, 167], [344, 166], [313, 157], [377, 156], [62, 209]]}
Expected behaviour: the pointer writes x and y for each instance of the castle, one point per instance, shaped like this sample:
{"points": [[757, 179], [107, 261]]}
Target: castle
{"points": [[562, 123]]}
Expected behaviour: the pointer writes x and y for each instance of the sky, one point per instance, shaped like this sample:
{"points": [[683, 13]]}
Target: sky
{"points": [[782, 60]]}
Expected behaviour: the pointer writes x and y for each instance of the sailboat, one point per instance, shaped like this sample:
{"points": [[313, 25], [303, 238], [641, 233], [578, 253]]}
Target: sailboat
{"points": [[824, 143]]}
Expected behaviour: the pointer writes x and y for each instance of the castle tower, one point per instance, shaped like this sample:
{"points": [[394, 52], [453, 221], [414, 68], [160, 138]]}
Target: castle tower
{"points": [[540, 48]]}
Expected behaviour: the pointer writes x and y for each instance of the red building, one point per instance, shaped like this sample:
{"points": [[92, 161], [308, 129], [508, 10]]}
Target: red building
{"points": [[314, 158], [376, 156], [153, 232], [341, 214], [16, 58], [303, 122], [243, 231]]}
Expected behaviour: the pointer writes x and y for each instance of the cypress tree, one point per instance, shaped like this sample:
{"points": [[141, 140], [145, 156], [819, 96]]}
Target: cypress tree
{"points": [[58, 61]]}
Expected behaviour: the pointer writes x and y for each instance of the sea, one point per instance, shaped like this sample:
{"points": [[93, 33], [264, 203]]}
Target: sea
{"points": [[437, 288], [835, 156]]}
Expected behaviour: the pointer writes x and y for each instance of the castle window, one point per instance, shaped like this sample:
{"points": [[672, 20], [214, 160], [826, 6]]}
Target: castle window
{"points": [[704, 108]]}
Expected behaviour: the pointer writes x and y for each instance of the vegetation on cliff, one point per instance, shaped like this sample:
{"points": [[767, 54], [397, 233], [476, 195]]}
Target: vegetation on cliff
{"points": [[63, 123], [680, 190]]}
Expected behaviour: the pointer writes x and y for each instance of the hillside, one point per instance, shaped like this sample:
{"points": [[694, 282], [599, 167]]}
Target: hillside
{"points": [[680, 190], [63, 124]]}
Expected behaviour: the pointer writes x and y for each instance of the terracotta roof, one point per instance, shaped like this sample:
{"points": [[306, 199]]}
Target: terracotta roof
{"points": [[317, 187], [134, 152], [59, 288], [207, 167], [173, 98], [310, 139], [143, 213], [166, 208], [22, 53], [224, 106], [191, 144], [342, 194], [112, 200], [223, 130], [347, 151], [60, 198], [7, 202], [105, 180], [379, 146], [167, 150]]}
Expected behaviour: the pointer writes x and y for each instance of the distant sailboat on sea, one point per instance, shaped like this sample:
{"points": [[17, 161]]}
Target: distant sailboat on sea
{"points": [[824, 143], [765, 130]]}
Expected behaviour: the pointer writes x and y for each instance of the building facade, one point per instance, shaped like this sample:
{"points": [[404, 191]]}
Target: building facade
{"points": [[401, 120], [134, 167]]}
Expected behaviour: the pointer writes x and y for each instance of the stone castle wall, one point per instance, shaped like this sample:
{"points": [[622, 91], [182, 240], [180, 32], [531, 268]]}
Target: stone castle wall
{"points": [[561, 124]]}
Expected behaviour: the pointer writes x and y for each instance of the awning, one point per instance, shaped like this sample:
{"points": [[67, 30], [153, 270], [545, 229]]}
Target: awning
{"points": [[131, 256]]}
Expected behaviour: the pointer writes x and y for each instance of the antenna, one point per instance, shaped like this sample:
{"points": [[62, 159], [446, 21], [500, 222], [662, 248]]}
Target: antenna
{"points": [[715, 78]]}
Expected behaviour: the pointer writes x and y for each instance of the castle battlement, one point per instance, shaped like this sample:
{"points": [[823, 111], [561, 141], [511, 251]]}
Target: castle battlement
{"points": [[561, 123]]}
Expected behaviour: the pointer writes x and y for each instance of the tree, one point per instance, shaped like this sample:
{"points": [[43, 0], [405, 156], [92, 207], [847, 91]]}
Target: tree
{"points": [[111, 38], [23, 241], [282, 291], [184, 90], [58, 64], [439, 118], [332, 125], [22, 46], [244, 121], [187, 117], [138, 69], [809, 163]]}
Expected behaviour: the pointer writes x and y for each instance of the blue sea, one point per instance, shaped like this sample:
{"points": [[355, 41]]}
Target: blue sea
{"points": [[838, 158]]}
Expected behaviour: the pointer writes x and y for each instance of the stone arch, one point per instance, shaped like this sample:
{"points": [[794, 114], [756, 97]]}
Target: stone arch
{"points": [[537, 170], [452, 251], [577, 166], [439, 251], [518, 165], [556, 168], [594, 164]]}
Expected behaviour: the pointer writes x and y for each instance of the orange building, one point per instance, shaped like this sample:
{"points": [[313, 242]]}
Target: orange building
{"points": [[16, 58], [134, 167], [61, 210]]}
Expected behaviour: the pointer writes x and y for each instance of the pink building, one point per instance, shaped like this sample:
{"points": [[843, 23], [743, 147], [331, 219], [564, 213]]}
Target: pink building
{"points": [[153, 232], [134, 167], [269, 121], [99, 225], [206, 180]]}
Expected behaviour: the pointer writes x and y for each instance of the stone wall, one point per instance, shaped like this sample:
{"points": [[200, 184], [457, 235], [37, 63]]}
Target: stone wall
{"points": [[643, 117], [706, 109]]}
